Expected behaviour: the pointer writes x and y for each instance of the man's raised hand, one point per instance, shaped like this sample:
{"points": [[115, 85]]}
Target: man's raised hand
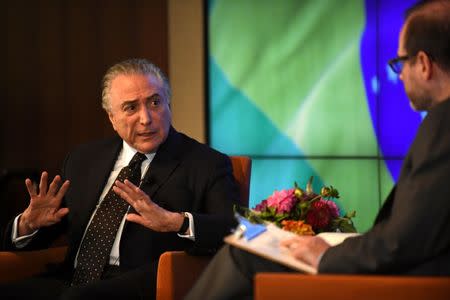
{"points": [[44, 208]]}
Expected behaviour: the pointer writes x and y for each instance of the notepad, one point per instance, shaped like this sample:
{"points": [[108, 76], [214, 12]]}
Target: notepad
{"points": [[266, 243]]}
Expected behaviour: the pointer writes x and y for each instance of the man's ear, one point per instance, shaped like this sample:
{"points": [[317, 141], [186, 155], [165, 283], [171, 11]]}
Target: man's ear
{"points": [[426, 65]]}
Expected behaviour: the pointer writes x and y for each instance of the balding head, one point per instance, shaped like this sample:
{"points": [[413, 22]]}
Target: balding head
{"points": [[428, 29]]}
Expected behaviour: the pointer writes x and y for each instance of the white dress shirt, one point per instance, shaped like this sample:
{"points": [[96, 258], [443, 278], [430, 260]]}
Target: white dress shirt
{"points": [[125, 156]]}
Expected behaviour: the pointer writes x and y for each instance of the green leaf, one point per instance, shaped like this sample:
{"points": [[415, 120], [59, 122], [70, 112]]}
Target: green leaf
{"points": [[350, 214], [345, 225], [309, 189]]}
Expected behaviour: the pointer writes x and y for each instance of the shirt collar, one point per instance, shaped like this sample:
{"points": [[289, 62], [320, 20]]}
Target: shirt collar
{"points": [[129, 152]]}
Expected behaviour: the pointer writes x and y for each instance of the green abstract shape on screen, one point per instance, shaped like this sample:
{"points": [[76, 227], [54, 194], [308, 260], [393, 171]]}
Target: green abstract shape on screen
{"points": [[298, 66]]}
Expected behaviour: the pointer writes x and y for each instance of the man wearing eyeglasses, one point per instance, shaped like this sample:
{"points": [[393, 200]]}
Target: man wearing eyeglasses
{"points": [[422, 62], [411, 232]]}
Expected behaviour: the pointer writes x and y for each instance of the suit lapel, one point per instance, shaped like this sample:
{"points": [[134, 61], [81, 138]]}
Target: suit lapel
{"points": [[97, 175], [164, 164]]}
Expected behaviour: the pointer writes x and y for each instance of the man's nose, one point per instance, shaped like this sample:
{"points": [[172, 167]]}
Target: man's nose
{"points": [[145, 116]]}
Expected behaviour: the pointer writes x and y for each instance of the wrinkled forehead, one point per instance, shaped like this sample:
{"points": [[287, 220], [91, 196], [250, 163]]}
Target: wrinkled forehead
{"points": [[130, 87]]}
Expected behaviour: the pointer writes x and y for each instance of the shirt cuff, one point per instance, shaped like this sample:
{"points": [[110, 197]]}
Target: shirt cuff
{"points": [[191, 231], [20, 242]]}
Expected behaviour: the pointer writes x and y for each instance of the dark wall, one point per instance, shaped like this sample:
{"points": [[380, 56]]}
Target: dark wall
{"points": [[54, 54]]}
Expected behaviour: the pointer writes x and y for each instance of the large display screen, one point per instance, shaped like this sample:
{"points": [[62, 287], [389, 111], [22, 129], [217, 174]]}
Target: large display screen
{"points": [[303, 88]]}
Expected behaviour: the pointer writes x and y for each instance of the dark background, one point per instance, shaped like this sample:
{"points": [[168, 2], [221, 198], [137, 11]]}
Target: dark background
{"points": [[54, 54]]}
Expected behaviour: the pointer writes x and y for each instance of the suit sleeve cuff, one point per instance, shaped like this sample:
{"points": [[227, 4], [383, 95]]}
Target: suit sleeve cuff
{"points": [[20, 242]]}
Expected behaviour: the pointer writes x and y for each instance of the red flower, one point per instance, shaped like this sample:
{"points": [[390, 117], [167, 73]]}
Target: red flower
{"points": [[261, 206], [319, 215]]}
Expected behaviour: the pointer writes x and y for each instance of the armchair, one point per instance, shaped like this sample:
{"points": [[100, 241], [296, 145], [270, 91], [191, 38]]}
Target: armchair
{"points": [[339, 287], [23, 264], [172, 282]]}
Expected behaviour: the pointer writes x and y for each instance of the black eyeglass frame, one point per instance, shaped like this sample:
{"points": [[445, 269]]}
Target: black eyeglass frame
{"points": [[396, 63]]}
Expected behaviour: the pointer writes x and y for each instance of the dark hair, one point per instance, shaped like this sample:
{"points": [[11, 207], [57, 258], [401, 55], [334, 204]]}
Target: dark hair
{"points": [[428, 29]]}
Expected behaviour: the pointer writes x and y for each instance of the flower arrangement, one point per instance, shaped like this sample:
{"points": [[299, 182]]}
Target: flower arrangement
{"points": [[303, 211]]}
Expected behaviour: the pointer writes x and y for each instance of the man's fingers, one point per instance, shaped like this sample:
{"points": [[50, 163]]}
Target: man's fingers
{"points": [[133, 195], [43, 183], [290, 241], [135, 218], [131, 190], [123, 194], [31, 187], [291, 246], [286, 243], [62, 191], [55, 217], [54, 185], [137, 193], [124, 187], [61, 213], [130, 184]]}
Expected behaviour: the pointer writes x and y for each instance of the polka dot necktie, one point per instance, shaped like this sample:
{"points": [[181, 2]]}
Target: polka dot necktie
{"points": [[100, 235]]}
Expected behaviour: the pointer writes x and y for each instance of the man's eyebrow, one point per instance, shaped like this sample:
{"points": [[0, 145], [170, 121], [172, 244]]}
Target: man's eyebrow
{"points": [[128, 102], [155, 95], [135, 101]]}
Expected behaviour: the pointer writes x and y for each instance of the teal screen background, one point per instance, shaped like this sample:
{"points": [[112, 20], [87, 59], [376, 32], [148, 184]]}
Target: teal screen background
{"points": [[303, 88]]}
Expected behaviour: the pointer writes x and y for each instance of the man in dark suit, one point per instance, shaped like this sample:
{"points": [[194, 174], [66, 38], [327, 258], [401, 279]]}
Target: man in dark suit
{"points": [[181, 198], [411, 234]]}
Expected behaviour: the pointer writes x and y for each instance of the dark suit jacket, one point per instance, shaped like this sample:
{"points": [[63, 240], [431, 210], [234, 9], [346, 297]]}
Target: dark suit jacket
{"points": [[411, 234], [183, 176]]}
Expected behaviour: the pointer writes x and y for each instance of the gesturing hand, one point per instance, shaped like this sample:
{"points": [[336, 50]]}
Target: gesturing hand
{"points": [[149, 214], [44, 208]]}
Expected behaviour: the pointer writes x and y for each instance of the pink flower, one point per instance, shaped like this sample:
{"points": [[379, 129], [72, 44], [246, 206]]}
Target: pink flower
{"points": [[282, 201], [334, 210]]}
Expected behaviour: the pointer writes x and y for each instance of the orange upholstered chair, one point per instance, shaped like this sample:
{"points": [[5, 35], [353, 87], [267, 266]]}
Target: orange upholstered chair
{"points": [[288, 286], [23, 264], [177, 271]]}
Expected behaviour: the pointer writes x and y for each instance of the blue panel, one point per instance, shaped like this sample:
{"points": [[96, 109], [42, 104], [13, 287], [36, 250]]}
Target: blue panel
{"points": [[269, 175], [394, 121]]}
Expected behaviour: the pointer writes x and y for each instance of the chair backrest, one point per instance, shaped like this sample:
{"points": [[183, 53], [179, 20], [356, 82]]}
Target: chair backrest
{"points": [[242, 170], [343, 287]]}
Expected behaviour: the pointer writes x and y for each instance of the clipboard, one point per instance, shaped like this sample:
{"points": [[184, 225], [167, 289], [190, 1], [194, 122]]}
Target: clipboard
{"points": [[264, 240]]}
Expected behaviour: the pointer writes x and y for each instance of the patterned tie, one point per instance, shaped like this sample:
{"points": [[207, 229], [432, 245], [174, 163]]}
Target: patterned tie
{"points": [[101, 233]]}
